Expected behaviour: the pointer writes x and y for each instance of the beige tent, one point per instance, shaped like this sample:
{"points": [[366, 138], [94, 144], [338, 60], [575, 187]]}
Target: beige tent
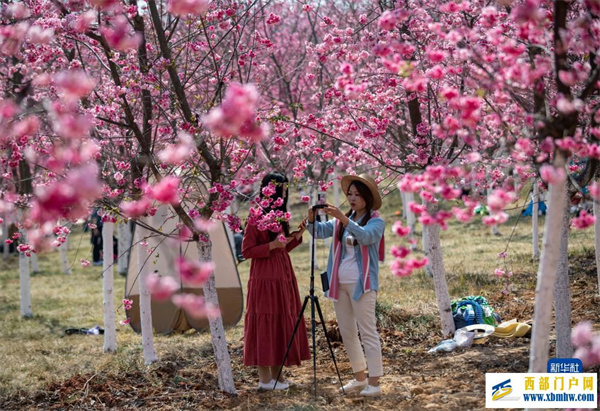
{"points": [[166, 317]]}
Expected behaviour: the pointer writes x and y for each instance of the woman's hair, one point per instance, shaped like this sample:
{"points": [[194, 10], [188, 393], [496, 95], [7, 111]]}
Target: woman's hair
{"points": [[366, 195], [281, 183]]}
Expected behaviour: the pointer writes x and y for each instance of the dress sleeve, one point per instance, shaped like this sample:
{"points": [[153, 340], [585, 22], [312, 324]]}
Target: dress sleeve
{"points": [[251, 248]]}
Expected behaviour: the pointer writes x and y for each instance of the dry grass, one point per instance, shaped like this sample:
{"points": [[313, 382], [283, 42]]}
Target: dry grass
{"points": [[35, 352]]}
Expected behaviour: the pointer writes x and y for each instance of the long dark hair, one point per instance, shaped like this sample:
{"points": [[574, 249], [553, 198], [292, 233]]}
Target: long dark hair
{"points": [[366, 195], [281, 183]]}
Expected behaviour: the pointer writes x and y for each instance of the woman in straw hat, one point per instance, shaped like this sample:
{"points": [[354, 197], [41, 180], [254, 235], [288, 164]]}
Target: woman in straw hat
{"points": [[353, 270]]}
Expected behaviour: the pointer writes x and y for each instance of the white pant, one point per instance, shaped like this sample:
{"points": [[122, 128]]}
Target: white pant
{"points": [[362, 312]]}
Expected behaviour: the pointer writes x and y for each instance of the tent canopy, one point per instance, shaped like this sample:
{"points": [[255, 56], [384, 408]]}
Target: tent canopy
{"points": [[166, 317]]}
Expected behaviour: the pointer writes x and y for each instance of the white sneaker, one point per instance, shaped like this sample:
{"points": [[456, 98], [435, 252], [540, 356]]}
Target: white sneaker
{"points": [[266, 385], [353, 386], [371, 391], [281, 385]]}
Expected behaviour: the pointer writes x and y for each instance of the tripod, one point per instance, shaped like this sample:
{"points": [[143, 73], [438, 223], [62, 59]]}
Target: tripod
{"points": [[314, 302]]}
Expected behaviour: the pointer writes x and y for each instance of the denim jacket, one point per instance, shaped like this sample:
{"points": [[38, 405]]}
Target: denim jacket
{"points": [[369, 235]]}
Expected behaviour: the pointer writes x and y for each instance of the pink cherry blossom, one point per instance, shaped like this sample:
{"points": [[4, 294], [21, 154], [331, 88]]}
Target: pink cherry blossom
{"points": [[582, 334], [236, 114], [161, 287], [166, 190], [120, 35], [399, 252], [135, 209], [68, 198], [499, 199], [495, 219], [462, 215], [195, 306], [176, 154], [184, 7], [416, 208], [305, 199], [194, 272], [84, 262], [204, 225], [400, 230], [84, 21], [74, 84], [552, 175], [583, 221], [124, 322]]}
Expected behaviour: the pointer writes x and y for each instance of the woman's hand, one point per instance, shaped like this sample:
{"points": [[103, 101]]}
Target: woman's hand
{"points": [[336, 213], [277, 243], [311, 215], [301, 228]]}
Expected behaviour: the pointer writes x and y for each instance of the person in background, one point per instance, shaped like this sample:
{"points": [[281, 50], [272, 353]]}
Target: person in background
{"points": [[273, 298], [96, 237], [353, 271]]}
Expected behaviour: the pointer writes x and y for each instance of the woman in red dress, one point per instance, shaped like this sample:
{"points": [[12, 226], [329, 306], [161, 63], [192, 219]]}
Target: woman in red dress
{"points": [[273, 299]]}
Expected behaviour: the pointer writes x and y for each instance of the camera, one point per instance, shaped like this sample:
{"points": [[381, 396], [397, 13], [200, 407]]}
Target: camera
{"points": [[317, 206]]}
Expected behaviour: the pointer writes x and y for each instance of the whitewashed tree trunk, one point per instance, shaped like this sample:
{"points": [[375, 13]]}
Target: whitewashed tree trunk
{"points": [[535, 235], [336, 189], [597, 240], [64, 262], [35, 264], [145, 302], [110, 327], [411, 221], [562, 292], [425, 240], [544, 293], [217, 332], [124, 245], [5, 246], [439, 273], [24, 278]]}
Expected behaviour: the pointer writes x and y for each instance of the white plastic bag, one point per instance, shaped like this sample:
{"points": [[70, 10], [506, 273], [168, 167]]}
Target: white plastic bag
{"points": [[464, 338]]}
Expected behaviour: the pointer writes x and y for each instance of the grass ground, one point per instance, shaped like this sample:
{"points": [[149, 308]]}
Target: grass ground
{"points": [[37, 357]]}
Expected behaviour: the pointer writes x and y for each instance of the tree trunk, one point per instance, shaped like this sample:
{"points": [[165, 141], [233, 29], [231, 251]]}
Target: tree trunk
{"points": [[562, 292], [535, 235], [110, 328], [24, 278], [411, 221], [544, 292], [439, 273], [217, 332], [597, 239], [35, 264], [145, 301], [124, 234], [62, 253]]}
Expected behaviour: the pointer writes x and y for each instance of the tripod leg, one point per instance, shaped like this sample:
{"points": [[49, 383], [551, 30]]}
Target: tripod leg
{"points": [[314, 342], [329, 343], [287, 351]]}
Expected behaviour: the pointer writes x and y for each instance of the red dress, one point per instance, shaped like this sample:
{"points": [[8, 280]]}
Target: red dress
{"points": [[273, 304]]}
